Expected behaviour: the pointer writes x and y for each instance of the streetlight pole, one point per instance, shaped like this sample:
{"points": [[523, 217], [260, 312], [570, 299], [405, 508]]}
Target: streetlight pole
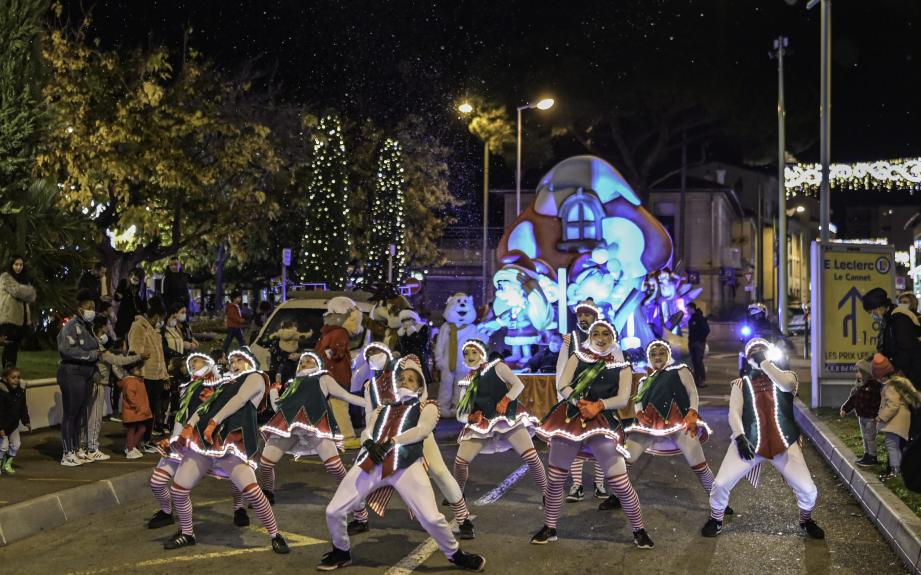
{"points": [[780, 46], [544, 104], [824, 120], [485, 219]]}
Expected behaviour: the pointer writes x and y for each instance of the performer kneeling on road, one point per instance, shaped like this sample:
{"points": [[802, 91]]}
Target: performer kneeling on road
{"points": [[204, 377], [494, 420], [223, 433], [304, 424], [667, 420], [595, 386], [381, 389], [761, 419], [391, 459]]}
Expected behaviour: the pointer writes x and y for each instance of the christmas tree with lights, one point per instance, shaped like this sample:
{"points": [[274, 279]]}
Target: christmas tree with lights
{"points": [[387, 216], [327, 243]]}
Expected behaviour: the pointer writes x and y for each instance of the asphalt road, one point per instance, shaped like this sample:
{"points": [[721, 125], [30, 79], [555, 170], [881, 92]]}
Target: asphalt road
{"points": [[762, 538]]}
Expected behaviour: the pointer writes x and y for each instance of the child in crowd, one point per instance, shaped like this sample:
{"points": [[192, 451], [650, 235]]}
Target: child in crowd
{"points": [[220, 358], [288, 345], [894, 417], [865, 399], [13, 411], [136, 413]]}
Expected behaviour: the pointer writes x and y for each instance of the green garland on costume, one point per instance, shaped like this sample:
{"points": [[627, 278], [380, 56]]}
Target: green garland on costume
{"points": [[645, 386], [292, 387], [469, 398], [203, 408], [190, 392], [585, 379]]}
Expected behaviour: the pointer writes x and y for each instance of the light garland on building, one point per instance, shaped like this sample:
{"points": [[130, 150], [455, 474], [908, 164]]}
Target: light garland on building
{"points": [[326, 245], [387, 215], [898, 174]]}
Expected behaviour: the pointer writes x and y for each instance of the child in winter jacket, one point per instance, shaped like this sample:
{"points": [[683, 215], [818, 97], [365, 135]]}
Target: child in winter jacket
{"points": [[898, 397], [13, 411], [865, 400], [136, 413], [288, 348]]}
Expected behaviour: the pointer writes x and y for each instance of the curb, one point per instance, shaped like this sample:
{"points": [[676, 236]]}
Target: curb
{"points": [[898, 524], [26, 518]]}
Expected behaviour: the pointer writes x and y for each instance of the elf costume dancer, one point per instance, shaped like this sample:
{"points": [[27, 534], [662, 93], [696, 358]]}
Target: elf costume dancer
{"points": [[667, 421], [391, 459], [761, 419], [204, 377], [495, 422], [586, 314], [223, 434], [595, 385], [381, 389], [304, 424]]}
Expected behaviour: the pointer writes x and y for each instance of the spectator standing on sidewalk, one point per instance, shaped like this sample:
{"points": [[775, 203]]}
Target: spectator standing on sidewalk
{"points": [[175, 285], [898, 334], [899, 397], [13, 411], [145, 340], [698, 331], [137, 415], [865, 399], [234, 321], [79, 350], [16, 293], [131, 299], [97, 282], [909, 301]]}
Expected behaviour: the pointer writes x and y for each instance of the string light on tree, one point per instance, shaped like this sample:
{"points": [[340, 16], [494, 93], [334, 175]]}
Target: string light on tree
{"points": [[898, 174], [326, 242], [387, 214]]}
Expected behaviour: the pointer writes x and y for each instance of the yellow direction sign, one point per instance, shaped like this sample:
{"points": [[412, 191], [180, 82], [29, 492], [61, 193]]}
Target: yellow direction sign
{"points": [[848, 333]]}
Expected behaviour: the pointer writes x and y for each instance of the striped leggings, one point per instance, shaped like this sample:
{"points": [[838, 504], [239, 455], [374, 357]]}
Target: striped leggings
{"points": [[576, 469], [163, 476], [520, 441], [562, 454]]}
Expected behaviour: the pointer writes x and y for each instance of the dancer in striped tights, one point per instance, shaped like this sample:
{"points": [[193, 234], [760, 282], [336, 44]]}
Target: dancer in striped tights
{"points": [[495, 421], [304, 424], [204, 378], [223, 434], [595, 386]]}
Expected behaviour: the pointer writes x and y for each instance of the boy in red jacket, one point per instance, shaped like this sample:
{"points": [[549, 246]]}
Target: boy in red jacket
{"points": [[234, 321]]}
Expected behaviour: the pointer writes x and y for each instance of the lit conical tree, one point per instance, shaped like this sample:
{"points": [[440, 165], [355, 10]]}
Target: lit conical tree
{"points": [[387, 215], [326, 244]]}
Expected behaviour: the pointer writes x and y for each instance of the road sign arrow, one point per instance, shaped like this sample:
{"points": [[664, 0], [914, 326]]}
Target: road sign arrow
{"points": [[849, 322]]}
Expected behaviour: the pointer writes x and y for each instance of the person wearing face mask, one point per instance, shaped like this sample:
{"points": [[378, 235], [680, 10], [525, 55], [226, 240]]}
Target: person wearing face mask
{"points": [[145, 340], [594, 386], [177, 342], [304, 424], [667, 420], [898, 334], [108, 364], [223, 435], [204, 378], [392, 459], [79, 351], [494, 420], [381, 389], [764, 431], [909, 301]]}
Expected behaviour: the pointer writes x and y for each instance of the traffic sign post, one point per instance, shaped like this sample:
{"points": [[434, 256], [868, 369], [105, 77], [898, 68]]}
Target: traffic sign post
{"points": [[842, 332], [285, 262]]}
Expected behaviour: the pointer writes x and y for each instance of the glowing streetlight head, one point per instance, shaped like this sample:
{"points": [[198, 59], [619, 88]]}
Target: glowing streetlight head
{"points": [[800, 209], [545, 104], [465, 108]]}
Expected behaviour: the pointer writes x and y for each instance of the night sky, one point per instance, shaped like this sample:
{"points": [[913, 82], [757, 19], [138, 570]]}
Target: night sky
{"points": [[385, 59]]}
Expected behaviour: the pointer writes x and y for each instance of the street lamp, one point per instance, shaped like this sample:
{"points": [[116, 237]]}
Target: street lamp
{"points": [[467, 108], [800, 209], [544, 104]]}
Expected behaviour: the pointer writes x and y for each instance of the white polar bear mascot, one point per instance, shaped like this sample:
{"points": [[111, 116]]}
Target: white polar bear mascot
{"points": [[459, 316]]}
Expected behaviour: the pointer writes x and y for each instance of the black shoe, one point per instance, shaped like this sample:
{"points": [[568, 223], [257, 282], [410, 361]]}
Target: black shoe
{"points": [[355, 527], [641, 539], [812, 530], [728, 511], [270, 496], [240, 518], [712, 528], [279, 545], [600, 492], [576, 493], [466, 530], [867, 461], [468, 561], [335, 559], [160, 519], [179, 540], [610, 503], [544, 536]]}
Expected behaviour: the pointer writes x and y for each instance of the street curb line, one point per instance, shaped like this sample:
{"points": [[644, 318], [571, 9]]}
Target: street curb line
{"points": [[27, 518], [898, 524]]}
